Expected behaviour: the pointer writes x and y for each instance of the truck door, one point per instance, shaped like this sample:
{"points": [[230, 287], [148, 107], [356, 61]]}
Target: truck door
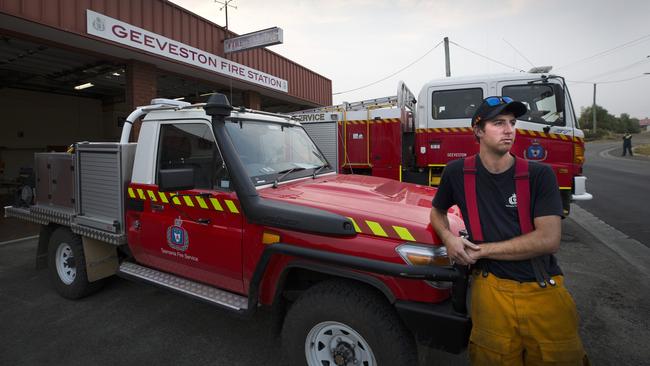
{"points": [[448, 135], [195, 233], [543, 133]]}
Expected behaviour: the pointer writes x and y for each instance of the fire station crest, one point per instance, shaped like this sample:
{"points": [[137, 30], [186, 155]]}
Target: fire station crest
{"points": [[177, 236], [98, 24], [535, 152]]}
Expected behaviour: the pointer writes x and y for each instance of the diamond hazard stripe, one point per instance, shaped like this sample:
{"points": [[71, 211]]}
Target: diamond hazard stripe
{"points": [[188, 201], [354, 223], [201, 202], [403, 233], [210, 203], [231, 206], [397, 232], [176, 200], [376, 228], [216, 204], [554, 136], [152, 195]]}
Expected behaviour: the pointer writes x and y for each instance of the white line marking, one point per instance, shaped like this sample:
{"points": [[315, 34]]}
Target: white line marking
{"points": [[17, 240]]}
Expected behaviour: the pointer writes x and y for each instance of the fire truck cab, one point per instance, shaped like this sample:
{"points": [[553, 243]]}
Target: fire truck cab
{"points": [[548, 133]]}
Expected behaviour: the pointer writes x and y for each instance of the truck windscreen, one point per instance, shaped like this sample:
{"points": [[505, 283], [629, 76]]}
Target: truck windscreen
{"points": [[541, 101], [269, 150]]}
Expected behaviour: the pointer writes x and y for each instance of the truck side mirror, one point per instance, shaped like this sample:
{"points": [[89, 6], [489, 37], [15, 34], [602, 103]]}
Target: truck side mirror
{"points": [[177, 179]]}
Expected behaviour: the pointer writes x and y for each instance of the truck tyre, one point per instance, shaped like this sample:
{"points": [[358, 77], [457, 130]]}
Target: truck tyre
{"points": [[67, 265], [566, 201], [344, 323]]}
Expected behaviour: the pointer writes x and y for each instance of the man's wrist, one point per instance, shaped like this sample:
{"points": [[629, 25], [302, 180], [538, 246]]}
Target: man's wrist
{"points": [[447, 236], [486, 250]]}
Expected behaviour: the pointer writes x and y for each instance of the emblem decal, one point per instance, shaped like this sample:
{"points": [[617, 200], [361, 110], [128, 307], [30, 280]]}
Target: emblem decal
{"points": [[535, 152], [99, 24], [177, 236]]}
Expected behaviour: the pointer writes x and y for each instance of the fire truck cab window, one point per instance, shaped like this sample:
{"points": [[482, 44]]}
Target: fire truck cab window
{"points": [[457, 103], [271, 151], [193, 146], [541, 101]]}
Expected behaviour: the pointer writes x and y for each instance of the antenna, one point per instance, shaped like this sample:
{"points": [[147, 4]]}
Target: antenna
{"points": [[226, 4]]}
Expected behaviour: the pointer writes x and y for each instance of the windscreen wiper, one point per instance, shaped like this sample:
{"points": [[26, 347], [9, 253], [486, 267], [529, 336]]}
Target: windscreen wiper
{"points": [[285, 173], [318, 169]]}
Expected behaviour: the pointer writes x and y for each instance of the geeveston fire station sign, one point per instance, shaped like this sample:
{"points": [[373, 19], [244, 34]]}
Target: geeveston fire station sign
{"points": [[112, 29]]}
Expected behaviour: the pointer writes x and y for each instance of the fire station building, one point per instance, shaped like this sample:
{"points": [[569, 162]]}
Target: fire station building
{"points": [[73, 70]]}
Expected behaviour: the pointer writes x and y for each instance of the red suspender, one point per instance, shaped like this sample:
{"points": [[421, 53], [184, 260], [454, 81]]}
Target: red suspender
{"points": [[522, 190], [469, 174]]}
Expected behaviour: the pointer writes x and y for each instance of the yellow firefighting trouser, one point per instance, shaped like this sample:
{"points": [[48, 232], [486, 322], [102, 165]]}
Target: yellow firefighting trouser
{"points": [[523, 324]]}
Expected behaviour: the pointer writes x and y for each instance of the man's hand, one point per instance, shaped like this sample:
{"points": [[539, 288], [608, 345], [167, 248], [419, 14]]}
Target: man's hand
{"points": [[458, 248], [461, 250]]}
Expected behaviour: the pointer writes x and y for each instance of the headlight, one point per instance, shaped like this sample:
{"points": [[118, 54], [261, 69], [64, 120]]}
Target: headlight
{"points": [[426, 255]]}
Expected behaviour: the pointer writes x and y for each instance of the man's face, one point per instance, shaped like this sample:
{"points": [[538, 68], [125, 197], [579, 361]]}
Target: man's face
{"points": [[499, 133]]}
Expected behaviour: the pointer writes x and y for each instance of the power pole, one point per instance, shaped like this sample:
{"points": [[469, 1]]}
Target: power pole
{"points": [[226, 4], [593, 109], [447, 66]]}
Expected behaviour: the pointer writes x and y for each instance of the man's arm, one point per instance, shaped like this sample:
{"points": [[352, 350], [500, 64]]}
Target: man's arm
{"points": [[545, 239], [455, 244]]}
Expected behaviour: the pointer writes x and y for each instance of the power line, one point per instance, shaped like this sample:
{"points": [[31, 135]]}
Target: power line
{"points": [[486, 57], [605, 82], [614, 71], [393, 74], [520, 54], [620, 81], [608, 51]]}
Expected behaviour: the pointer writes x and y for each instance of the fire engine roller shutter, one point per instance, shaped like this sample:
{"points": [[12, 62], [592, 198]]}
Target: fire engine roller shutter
{"points": [[104, 169], [324, 135]]}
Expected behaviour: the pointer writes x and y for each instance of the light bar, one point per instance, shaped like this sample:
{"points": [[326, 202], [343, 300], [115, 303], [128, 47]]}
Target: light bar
{"points": [[84, 86]]}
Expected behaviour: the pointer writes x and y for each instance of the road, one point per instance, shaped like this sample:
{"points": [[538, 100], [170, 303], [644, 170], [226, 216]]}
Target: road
{"points": [[620, 186], [131, 323]]}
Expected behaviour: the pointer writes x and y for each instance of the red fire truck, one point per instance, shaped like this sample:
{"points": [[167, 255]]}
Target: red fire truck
{"points": [[395, 137], [239, 209]]}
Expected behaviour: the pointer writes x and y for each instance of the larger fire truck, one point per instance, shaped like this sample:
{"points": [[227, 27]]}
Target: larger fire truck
{"points": [[239, 209], [412, 140]]}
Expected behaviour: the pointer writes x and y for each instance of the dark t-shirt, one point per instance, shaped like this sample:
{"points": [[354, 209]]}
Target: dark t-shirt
{"points": [[497, 206]]}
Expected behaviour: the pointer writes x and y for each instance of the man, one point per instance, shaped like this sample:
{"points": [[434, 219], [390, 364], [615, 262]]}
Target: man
{"points": [[521, 312], [627, 144]]}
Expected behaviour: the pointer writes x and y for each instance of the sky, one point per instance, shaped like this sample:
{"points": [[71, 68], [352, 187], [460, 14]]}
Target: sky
{"points": [[359, 42]]}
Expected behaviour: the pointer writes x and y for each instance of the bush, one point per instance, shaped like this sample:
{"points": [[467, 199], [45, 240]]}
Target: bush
{"points": [[591, 136]]}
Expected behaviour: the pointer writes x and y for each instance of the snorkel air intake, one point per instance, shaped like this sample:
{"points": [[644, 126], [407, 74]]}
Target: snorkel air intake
{"points": [[261, 211]]}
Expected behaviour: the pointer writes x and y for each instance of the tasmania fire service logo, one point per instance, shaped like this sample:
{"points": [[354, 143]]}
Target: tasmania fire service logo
{"points": [[99, 24], [535, 152], [177, 236]]}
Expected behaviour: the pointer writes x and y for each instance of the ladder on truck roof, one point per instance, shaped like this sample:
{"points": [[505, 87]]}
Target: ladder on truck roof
{"points": [[404, 98]]}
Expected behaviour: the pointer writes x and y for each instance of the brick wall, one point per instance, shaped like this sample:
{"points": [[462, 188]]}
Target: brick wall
{"points": [[140, 88]]}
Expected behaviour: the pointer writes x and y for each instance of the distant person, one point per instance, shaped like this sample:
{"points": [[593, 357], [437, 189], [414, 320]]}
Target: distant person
{"points": [[627, 144]]}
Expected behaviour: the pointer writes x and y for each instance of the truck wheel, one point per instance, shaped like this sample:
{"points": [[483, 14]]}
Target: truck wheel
{"points": [[67, 265], [566, 202], [342, 323]]}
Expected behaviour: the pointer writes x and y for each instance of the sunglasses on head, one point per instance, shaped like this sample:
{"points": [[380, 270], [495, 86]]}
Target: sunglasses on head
{"points": [[495, 101]]}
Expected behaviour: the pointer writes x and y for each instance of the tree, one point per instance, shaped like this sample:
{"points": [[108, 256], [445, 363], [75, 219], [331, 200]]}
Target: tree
{"points": [[627, 124], [604, 120]]}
